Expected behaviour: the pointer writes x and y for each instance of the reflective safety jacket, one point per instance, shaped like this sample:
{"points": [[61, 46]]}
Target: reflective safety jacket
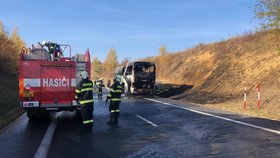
{"points": [[84, 91], [115, 92]]}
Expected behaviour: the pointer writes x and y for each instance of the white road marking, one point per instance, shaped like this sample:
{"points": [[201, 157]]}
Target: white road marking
{"points": [[219, 117], [46, 142], [147, 121]]}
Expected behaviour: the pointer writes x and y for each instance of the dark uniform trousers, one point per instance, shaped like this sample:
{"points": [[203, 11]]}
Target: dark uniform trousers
{"points": [[87, 114], [115, 99], [114, 111], [84, 95]]}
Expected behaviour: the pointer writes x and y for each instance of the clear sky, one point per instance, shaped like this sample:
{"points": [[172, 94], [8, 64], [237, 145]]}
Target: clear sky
{"points": [[134, 28]]}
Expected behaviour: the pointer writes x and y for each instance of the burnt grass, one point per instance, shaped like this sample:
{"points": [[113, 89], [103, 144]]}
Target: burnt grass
{"points": [[170, 90], [185, 93]]}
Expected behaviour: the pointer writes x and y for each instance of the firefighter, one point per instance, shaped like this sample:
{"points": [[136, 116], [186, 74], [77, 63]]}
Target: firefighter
{"points": [[115, 99], [108, 83], [94, 86], [54, 50], [84, 97], [156, 90], [99, 86]]}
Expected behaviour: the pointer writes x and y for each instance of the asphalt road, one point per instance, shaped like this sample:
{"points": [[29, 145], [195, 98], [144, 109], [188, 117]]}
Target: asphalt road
{"points": [[154, 127]]}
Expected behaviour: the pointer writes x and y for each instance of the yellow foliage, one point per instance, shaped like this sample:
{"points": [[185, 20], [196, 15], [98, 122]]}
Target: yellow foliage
{"points": [[110, 63], [9, 51]]}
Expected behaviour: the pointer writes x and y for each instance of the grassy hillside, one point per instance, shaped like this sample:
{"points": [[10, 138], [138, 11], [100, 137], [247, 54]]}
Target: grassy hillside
{"points": [[219, 72], [9, 99]]}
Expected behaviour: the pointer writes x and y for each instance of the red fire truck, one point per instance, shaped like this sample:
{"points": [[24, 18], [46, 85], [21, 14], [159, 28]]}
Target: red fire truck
{"points": [[49, 85]]}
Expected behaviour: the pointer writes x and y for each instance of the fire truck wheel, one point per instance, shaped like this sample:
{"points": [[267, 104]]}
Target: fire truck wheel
{"points": [[31, 115], [45, 115], [38, 115]]}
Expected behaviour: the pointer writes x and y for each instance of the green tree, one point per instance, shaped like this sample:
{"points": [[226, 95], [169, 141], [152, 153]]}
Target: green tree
{"points": [[110, 63], [269, 12], [96, 68]]}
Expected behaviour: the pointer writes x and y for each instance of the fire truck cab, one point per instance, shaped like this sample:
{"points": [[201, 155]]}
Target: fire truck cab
{"points": [[49, 85]]}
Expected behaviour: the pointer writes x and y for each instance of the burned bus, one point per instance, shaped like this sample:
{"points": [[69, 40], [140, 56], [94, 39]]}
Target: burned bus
{"points": [[138, 77]]}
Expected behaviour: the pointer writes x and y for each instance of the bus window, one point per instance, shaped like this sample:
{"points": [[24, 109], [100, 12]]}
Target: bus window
{"points": [[144, 70], [119, 71], [129, 70], [139, 69], [152, 69]]}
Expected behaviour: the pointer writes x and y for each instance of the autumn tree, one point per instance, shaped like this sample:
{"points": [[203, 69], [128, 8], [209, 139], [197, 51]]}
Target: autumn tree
{"points": [[110, 63], [3, 48], [9, 51], [3, 33], [96, 68], [17, 44], [163, 58]]}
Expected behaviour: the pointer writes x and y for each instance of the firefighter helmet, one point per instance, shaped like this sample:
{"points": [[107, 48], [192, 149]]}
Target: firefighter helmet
{"points": [[44, 42], [84, 74], [117, 78]]}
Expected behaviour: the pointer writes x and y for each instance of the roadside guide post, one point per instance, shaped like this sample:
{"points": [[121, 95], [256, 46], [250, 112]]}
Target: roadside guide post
{"points": [[259, 96], [245, 97]]}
